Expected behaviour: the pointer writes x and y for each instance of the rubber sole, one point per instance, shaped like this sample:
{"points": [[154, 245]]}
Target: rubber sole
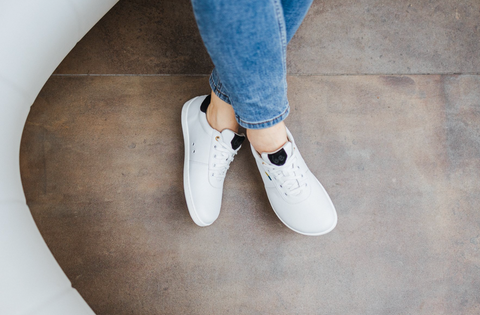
{"points": [[186, 169]]}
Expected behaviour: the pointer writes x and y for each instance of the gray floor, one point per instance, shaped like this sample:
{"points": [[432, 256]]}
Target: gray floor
{"points": [[385, 100]]}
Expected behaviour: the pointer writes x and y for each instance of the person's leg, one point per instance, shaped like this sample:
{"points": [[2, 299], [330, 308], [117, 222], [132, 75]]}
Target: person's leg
{"points": [[247, 40], [272, 138], [268, 69]]}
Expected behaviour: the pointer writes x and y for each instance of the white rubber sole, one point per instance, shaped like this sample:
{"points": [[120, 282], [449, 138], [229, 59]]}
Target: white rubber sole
{"points": [[186, 169]]}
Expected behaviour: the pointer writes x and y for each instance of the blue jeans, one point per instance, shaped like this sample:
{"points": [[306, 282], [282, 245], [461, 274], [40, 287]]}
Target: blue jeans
{"points": [[247, 42]]}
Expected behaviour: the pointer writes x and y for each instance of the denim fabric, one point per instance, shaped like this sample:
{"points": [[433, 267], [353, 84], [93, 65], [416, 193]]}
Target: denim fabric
{"points": [[247, 42]]}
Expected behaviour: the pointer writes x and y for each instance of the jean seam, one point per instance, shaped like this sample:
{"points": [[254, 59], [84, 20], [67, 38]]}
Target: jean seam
{"points": [[283, 33]]}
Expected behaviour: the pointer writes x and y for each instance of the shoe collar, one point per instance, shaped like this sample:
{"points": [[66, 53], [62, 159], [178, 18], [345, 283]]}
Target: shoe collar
{"points": [[234, 139], [280, 156]]}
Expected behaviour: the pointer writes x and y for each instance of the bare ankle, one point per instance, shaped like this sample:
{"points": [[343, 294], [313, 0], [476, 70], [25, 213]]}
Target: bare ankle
{"points": [[220, 115], [269, 139]]}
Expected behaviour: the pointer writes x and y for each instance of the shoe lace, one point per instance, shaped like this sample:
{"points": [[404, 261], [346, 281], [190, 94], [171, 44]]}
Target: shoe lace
{"points": [[291, 177], [223, 156]]}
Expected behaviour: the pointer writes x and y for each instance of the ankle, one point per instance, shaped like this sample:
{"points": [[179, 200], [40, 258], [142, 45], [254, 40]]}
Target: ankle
{"points": [[220, 115], [269, 139]]}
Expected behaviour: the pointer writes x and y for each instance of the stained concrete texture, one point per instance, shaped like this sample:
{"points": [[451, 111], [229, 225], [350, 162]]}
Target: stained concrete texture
{"points": [[337, 37], [102, 165]]}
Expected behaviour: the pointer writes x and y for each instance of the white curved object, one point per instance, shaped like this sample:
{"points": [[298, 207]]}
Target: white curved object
{"points": [[35, 35]]}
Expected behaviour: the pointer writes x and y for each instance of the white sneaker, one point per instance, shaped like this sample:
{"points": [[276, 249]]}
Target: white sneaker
{"points": [[295, 194], [208, 154]]}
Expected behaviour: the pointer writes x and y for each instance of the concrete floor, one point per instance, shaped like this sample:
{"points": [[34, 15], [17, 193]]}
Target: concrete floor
{"points": [[385, 102]]}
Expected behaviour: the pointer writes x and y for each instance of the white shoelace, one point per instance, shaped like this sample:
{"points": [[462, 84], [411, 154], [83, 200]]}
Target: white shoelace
{"points": [[223, 156], [290, 177]]}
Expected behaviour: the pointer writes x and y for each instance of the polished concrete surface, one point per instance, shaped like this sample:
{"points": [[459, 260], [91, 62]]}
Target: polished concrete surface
{"points": [[399, 154]]}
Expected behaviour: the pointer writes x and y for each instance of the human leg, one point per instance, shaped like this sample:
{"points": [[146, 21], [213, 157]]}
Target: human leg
{"points": [[247, 42], [209, 123], [272, 138], [269, 24]]}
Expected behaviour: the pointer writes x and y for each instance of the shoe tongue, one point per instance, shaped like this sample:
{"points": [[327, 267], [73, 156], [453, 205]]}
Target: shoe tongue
{"points": [[280, 156], [231, 137]]}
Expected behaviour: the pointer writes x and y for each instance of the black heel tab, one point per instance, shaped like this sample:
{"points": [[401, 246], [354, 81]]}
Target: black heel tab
{"points": [[278, 158], [237, 141], [205, 104]]}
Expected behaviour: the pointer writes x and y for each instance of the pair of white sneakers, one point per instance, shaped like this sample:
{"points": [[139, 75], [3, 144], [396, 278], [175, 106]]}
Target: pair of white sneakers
{"points": [[295, 194]]}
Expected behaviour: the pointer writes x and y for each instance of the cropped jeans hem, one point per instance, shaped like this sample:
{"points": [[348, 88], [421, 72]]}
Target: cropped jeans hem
{"points": [[264, 124], [218, 89]]}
